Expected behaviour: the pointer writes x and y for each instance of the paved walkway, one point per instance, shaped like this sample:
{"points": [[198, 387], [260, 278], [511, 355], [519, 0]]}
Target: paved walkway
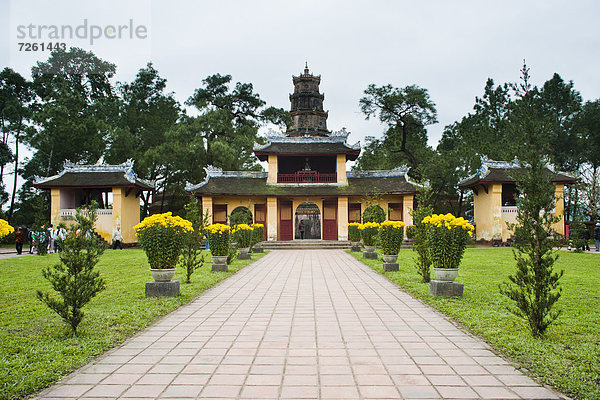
{"points": [[301, 324]]}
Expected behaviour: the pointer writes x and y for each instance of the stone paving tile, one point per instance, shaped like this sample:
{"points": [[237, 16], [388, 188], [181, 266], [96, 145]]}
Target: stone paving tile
{"points": [[304, 325]]}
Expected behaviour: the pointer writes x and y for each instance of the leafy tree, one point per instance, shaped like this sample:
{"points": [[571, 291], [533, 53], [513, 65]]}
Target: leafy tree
{"points": [[241, 215], [16, 96], [191, 255], [534, 288], [75, 102], [146, 113], [74, 277], [587, 124], [406, 111], [374, 213]]}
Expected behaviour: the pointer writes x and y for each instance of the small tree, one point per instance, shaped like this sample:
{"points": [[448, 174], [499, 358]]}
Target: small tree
{"points": [[192, 257], [534, 288], [74, 277], [424, 208]]}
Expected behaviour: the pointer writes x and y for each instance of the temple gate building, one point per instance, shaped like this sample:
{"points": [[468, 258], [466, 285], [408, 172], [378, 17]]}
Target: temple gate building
{"points": [[306, 185]]}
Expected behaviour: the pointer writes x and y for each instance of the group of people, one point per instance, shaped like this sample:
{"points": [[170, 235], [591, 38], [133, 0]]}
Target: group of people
{"points": [[49, 236], [584, 234]]}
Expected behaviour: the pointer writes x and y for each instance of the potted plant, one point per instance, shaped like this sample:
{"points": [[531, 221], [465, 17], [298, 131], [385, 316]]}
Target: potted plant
{"points": [[354, 234], [447, 238], [258, 234], [161, 236], [391, 234], [219, 236], [242, 234], [368, 234]]}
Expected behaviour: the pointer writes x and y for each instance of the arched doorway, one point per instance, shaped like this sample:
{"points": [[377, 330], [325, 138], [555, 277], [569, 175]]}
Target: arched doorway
{"points": [[240, 215], [308, 217]]}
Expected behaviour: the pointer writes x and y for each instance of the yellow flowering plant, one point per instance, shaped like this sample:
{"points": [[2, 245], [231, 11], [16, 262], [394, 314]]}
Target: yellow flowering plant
{"points": [[242, 234], [219, 236], [447, 238], [354, 232], [391, 234], [162, 238], [368, 233], [258, 233], [5, 228]]}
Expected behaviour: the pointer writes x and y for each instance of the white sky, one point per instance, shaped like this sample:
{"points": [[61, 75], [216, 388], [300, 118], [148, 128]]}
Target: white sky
{"points": [[448, 47]]}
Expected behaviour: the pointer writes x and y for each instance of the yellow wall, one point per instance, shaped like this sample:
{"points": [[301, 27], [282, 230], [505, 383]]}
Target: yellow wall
{"points": [[341, 169], [492, 223], [272, 218], [207, 208], [55, 206], [272, 173], [488, 212], [559, 209], [126, 213], [342, 218], [407, 206], [508, 218]]}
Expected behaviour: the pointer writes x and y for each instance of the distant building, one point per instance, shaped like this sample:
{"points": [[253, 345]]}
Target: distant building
{"points": [[116, 189], [495, 198], [306, 185]]}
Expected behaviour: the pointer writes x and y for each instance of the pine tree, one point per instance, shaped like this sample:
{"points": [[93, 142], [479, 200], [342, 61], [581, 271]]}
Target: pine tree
{"points": [[534, 288], [74, 278]]}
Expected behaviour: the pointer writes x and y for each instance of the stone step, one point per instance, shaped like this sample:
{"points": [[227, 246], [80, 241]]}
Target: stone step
{"points": [[305, 244]]}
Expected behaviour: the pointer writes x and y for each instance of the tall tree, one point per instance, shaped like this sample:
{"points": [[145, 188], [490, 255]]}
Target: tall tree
{"points": [[146, 113], [75, 102], [16, 96], [406, 111]]}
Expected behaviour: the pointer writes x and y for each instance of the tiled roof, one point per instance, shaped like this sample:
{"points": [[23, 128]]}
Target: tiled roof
{"points": [[255, 184], [100, 175], [504, 172]]}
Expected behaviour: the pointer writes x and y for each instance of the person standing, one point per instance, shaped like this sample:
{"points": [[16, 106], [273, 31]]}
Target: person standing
{"points": [[301, 228], [51, 237], [597, 235], [117, 239], [19, 239]]}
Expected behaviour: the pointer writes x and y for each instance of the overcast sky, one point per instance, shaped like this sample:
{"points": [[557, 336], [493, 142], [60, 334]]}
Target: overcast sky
{"points": [[448, 47]]}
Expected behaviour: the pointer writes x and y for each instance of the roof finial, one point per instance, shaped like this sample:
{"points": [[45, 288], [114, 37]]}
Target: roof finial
{"points": [[306, 68]]}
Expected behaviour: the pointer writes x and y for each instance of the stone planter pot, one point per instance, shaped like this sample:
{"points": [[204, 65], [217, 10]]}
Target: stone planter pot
{"points": [[219, 259], [244, 253], [446, 274], [162, 274], [390, 258], [370, 249]]}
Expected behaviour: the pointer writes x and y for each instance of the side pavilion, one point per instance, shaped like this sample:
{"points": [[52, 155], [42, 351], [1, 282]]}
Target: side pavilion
{"points": [[116, 189]]}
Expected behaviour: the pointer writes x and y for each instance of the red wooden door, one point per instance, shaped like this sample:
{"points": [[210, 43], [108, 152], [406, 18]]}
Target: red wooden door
{"points": [[286, 229], [260, 216], [330, 220]]}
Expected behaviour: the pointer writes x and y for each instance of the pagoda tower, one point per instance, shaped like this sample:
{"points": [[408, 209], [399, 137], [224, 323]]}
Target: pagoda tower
{"points": [[308, 116]]}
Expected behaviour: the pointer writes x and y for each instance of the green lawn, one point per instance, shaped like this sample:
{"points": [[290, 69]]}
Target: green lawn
{"points": [[35, 349], [568, 358]]}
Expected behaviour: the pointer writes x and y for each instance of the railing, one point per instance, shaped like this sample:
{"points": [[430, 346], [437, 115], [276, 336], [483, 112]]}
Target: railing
{"points": [[307, 177], [509, 209], [69, 213]]}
